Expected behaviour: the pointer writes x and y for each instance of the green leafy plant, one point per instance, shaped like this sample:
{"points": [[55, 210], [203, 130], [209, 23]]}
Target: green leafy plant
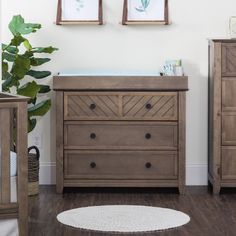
{"points": [[144, 6], [19, 60]]}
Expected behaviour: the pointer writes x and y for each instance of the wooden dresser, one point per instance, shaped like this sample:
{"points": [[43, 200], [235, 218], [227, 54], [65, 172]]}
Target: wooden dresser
{"points": [[120, 131], [222, 114]]}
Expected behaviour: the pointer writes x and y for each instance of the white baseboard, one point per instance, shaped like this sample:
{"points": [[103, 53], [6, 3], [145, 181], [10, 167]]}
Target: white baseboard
{"points": [[195, 174], [47, 173]]}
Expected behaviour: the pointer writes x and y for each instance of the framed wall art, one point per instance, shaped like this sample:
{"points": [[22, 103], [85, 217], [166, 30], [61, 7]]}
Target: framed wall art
{"points": [[145, 12], [79, 12]]}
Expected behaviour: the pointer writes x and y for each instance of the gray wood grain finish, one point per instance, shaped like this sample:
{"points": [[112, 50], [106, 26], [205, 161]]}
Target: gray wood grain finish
{"points": [[59, 140], [228, 59], [22, 170], [5, 155], [228, 94], [20, 209], [142, 83], [120, 106], [114, 165], [228, 130], [120, 135], [120, 131], [182, 141], [222, 115], [85, 106], [229, 163]]}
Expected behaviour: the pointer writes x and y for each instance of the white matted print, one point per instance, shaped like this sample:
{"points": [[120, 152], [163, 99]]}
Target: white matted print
{"points": [[80, 10], [146, 10]]}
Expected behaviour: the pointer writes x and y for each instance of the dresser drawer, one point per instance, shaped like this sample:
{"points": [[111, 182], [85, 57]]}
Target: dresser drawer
{"points": [[150, 106], [90, 106], [120, 165], [121, 106], [228, 128], [228, 160], [229, 94], [229, 59], [120, 135]]}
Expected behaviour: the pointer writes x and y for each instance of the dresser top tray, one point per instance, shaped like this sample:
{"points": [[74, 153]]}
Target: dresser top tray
{"points": [[223, 40], [116, 83]]}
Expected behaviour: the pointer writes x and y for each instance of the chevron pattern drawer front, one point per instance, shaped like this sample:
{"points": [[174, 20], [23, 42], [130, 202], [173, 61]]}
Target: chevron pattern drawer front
{"points": [[93, 106], [120, 132], [229, 59], [158, 106], [122, 106]]}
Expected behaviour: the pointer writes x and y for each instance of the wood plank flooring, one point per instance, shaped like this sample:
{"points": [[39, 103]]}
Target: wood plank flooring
{"points": [[210, 215]]}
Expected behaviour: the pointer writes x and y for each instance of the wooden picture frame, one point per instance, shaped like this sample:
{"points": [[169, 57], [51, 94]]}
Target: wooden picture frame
{"points": [[68, 12], [145, 12]]}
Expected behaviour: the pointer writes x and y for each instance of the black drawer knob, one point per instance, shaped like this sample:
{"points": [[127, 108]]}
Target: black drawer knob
{"points": [[92, 106], [148, 136], [92, 135], [148, 165], [92, 165], [148, 106]]}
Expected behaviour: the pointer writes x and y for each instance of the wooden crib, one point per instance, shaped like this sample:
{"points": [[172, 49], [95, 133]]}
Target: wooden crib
{"points": [[14, 108]]}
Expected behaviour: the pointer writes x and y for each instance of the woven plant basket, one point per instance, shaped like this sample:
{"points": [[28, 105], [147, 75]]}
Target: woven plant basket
{"points": [[33, 171]]}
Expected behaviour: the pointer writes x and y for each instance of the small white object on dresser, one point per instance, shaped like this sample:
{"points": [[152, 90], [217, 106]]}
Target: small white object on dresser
{"points": [[232, 26]]}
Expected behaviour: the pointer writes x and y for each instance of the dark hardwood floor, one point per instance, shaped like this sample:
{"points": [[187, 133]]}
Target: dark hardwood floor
{"points": [[210, 215]]}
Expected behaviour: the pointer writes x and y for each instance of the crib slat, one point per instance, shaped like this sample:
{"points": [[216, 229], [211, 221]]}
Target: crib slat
{"points": [[22, 162], [5, 155], [12, 129]]}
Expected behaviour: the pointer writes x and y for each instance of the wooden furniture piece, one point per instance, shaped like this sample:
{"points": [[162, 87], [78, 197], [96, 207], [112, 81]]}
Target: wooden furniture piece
{"points": [[14, 109], [120, 131], [127, 21], [222, 114], [60, 21]]}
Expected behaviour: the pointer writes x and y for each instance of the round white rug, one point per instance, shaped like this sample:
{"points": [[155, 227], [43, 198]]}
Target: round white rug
{"points": [[123, 218]]}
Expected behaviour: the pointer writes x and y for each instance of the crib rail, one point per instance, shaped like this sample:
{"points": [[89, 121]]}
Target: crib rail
{"points": [[13, 110], [9, 211]]}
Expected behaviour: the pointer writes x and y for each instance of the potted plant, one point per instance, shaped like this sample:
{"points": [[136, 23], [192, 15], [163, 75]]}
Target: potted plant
{"points": [[19, 62]]}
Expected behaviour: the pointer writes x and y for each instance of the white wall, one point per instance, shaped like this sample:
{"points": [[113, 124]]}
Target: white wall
{"points": [[115, 47]]}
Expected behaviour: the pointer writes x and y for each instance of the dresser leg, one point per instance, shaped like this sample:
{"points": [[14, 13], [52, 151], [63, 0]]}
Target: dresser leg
{"points": [[182, 189], [59, 189], [216, 189]]}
